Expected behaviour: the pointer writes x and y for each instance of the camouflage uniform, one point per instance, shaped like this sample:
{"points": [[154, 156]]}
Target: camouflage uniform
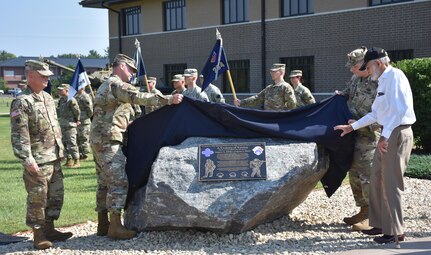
{"points": [[149, 109], [113, 112], [278, 97], [303, 96], [36, 138], [196, 93], [85, 103], [68, 114], [214, 94], [361, 93]]}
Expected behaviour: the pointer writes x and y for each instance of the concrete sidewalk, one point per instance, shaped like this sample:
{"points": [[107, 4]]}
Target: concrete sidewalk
{"points": [[415, 246]]}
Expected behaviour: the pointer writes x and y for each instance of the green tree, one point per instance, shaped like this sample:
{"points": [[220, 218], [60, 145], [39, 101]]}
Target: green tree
{"points": [[3, 84], [106, 52], [94, 54], [4, 55]]}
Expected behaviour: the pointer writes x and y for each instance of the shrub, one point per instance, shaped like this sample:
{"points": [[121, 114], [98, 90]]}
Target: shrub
{"points": [[418, 71]]}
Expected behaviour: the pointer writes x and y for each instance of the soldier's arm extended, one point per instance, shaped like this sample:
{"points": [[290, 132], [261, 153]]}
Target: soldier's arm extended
{"points": [[127, 93], [20, 135], [254, 100], [289, 97]]}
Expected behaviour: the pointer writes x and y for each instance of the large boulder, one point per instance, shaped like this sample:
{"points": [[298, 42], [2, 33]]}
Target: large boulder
{"points": [[174, 198]]}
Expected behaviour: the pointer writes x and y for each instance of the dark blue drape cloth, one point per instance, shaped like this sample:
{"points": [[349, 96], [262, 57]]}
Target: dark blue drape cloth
{"points": [[172, 124]]}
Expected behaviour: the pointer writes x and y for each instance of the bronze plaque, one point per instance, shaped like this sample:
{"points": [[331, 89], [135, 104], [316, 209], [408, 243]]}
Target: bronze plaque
{"points": [[232, 161]]}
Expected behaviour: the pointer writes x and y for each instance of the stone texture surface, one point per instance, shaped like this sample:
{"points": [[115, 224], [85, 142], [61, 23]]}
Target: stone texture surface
{"points": [[174, 198]]}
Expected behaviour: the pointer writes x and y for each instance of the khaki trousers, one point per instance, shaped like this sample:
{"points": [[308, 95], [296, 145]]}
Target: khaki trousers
{"points": [[387, 173]]}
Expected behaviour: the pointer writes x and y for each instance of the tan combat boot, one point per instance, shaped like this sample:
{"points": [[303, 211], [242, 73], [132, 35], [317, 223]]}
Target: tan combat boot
{"points": [[363, 225], [39, 240], [53, 235], [69, 163], [103, 223], [75, 163], [117, 230], [361, 216]]}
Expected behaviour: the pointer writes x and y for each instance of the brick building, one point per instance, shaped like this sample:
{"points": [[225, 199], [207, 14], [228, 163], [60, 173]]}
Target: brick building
{"points": [[312, 35]]}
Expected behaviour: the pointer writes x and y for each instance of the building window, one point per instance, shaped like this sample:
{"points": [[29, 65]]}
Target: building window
{"points": [[175, 14], [131, 20], [235, 11], [296, 7], [381, 2], [397, 55], [305, 64], [240, 73], [8, 73], [172, 69]]}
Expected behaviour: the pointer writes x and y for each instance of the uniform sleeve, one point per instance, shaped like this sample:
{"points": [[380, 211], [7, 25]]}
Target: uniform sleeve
{"points": [[20, 135], [203, 96], [75, 109], [88, 104], [127, 93], [254, 100], [307, 97], [289, 97]]}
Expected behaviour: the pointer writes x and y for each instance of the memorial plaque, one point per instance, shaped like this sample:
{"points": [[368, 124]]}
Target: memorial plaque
{"points": [[232, 161]]}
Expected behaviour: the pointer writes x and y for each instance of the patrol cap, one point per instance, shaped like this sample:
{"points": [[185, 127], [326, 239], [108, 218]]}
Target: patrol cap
{"points": [[63, 86], [295, 73], [121, 58], [372, 54], [190, 72], [151, 78], [277, 66], [40, 67], [356, 56], [178, 77]]}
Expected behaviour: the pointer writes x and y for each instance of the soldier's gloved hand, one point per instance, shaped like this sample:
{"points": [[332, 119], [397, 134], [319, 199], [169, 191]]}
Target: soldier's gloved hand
{"points": [[177, 98], [33, 169], [237, 102]]}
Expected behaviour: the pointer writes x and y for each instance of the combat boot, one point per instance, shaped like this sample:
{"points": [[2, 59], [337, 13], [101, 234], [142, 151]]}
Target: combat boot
{"points": [[69, 163], [361, 216], [117, 230], [53, 235], [75, 164], [363, 225], [39, 240], [102, 224]]}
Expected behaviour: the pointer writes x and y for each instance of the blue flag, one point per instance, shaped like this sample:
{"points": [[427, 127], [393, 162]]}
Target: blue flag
{"points": [[79, 80], [216, 63], [140, 66]]}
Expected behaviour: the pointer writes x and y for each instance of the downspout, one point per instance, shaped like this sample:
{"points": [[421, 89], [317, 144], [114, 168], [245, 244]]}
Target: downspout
{"points": [[263, 40], [120, 47]]}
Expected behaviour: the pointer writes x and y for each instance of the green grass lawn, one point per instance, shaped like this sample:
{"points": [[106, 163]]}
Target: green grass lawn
{"points": [[5, 104], [80, 189]]}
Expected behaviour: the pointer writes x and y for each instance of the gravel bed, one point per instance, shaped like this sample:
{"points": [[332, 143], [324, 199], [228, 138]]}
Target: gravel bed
{"points": [[314, 227]]}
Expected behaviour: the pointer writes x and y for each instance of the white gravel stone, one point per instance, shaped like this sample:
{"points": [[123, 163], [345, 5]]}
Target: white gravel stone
{"points": [[314, 227]]}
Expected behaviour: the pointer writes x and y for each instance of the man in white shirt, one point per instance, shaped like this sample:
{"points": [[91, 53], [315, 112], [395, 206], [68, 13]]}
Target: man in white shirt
{"points": [[393, 109]]}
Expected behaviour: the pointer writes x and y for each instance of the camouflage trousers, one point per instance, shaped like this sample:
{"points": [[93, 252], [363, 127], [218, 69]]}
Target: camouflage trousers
{"points": [[112, 183], [359, 173], [84, 138], [69, 141], [45, 193]]}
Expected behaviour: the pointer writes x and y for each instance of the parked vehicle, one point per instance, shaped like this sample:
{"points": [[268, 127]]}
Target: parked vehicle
{"points": [[15, 91], [1, 92]]}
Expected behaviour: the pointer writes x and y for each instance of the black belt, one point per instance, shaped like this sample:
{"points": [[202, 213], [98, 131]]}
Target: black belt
{"points": [[405, 125]]}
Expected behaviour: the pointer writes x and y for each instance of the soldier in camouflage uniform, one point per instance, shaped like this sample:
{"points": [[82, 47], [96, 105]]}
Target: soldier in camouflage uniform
{"points": [[278, 96], [213, 92], [302, 93], [68, 115], [85, 103], [178, 83], [152, 81], [193, 90], [361, 91], [113, 112], [36, 141]]}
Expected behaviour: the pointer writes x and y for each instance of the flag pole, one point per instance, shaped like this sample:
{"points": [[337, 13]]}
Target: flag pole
{"points": [[231, 84], [139, 57]]}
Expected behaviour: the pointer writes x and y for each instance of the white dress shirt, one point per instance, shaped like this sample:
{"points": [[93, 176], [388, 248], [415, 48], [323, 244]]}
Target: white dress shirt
{"points": [[393, 105]]}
